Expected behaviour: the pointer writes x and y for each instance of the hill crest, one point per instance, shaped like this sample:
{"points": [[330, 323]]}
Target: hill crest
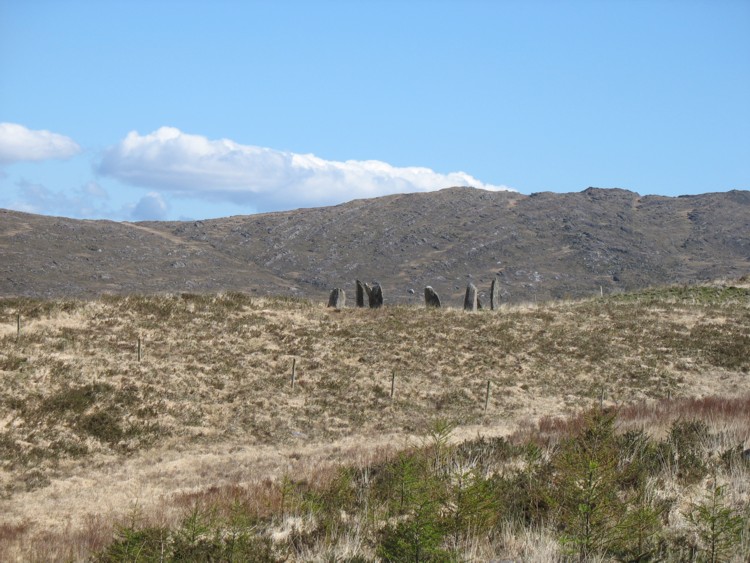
{"points": [[545, 245]]}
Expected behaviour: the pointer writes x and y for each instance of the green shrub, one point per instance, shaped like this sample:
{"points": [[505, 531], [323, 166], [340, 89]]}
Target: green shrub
{"points": [[639, 534], [141, 544], [340, 496], [525, 497], [584, 491], [718, 526], [417, 538], [474, 506], [200, 538]]}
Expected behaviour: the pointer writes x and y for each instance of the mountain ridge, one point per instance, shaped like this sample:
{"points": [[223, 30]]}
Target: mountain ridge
{"points": [[544, 245]]}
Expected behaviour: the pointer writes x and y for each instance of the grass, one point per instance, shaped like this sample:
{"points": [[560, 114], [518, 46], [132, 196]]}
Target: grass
{"points": [[210, 405], [481, 499]]}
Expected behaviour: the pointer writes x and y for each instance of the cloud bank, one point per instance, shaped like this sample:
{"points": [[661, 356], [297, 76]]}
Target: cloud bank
{"points": [[86, 202], [194, 166], [89, 201], [17, 143]]}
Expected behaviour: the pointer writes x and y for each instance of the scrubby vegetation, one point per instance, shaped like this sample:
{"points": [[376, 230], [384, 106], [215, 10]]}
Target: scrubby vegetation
{"points": [[580, 489], [608, 433]]}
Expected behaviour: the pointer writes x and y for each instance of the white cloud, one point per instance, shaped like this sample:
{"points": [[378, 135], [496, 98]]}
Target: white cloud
{"points": [[150, 207], [18, 143], [192, 165]]}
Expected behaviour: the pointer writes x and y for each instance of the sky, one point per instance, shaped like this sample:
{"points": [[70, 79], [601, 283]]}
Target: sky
{"points": [[182, 110]]}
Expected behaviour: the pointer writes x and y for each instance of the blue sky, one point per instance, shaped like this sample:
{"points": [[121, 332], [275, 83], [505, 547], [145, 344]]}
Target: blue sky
{"points": [[181, 109]]}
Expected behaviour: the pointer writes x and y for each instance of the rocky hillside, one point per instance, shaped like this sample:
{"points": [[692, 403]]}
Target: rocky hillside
{"points": [[543, 246]]}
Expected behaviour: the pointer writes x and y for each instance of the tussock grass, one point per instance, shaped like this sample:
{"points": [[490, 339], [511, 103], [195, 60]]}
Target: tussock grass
{"points": [[210, 403]]}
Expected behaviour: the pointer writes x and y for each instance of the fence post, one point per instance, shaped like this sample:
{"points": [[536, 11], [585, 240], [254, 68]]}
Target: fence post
{"points": [[487, 396], [139, 348], [393, 384], [294, 371], [18, 326]]}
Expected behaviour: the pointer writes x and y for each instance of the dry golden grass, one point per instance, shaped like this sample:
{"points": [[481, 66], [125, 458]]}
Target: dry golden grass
{"points": [[87, 431]]}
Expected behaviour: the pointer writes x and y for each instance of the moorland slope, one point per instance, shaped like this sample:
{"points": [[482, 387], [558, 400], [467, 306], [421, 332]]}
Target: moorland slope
{"points": [[91, 435]]}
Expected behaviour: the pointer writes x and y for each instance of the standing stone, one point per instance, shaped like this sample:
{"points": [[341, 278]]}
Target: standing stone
{"points": [[431, 298], [494, 295], [337, 298], [360, 294], [470, 300], [376, 296]]}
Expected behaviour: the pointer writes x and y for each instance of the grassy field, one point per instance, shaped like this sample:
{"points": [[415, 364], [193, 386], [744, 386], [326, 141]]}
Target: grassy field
{"points": [[204, 437]]}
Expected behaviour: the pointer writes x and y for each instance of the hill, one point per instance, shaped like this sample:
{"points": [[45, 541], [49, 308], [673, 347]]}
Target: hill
{"points": [[92, 437], [544, 246]]}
